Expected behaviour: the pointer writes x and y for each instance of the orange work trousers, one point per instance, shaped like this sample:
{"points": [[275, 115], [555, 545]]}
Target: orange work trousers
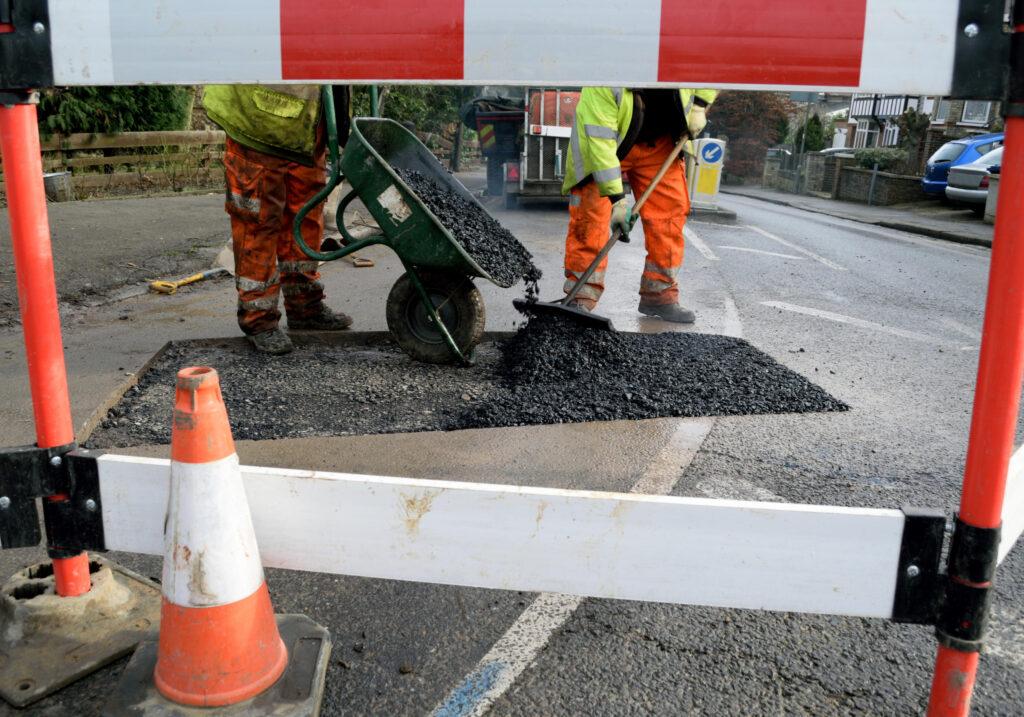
{"points": [[663, 217], [263, 196]]}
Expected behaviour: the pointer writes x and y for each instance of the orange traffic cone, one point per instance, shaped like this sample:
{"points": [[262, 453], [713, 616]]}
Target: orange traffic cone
{"points": [[219, 642]]}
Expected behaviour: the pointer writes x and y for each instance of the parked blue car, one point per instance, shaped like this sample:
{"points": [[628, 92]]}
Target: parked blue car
{"points": [[952, 154]]}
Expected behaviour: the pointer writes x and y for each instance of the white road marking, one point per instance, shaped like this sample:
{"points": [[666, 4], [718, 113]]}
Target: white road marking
{"points": [[698, 244], [961, 328], [840, 318], [521, 643], [795, 247], [731, 325], [762, 251]]}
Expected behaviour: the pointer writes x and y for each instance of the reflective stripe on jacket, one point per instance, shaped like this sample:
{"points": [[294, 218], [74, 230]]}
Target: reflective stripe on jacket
{"points": [[279, 120], [602, 123]]}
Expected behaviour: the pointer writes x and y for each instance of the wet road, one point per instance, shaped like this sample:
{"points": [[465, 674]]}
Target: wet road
{"points": [[887, 322]]}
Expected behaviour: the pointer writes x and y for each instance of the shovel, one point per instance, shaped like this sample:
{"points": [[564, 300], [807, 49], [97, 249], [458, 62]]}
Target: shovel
{"points": [[170, 287], [561, 306]]}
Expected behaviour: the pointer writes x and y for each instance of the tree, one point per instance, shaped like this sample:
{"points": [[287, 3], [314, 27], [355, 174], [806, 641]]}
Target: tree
{"points": [[913, 126], [752, 122], [432, 108], [65, 110], [815, 135]]}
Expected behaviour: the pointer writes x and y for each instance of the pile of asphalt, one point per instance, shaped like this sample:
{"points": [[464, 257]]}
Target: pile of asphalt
{"points": [[491, 245], [549, 372]]}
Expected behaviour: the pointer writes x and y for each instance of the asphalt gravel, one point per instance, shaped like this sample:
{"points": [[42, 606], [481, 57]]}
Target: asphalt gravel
{"points": [[491, 245], [551, 371]]}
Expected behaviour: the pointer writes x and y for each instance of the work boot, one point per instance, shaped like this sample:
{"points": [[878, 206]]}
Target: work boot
{"points": [[668, 312], [324, 320], [272, 341]]}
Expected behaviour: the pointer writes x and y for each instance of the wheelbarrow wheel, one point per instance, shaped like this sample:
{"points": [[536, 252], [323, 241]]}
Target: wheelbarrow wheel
{"points": [[457, 302]]}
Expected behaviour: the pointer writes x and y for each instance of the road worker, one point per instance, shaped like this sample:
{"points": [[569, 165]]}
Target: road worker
{"points": [[618, 131], [274, 162]]}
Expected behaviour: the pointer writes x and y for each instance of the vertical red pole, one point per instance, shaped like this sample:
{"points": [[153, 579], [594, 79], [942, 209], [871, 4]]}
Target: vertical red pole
{"points": [[37, 296], [996, 398]]}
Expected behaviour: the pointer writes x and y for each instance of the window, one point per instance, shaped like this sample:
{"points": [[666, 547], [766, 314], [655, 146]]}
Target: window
{"points": [[975, 112], [941, 112], [866, 134], [892, 134]]}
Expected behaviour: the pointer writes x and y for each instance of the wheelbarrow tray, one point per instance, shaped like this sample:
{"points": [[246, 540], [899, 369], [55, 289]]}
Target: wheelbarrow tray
{"points": [[375, 149]]}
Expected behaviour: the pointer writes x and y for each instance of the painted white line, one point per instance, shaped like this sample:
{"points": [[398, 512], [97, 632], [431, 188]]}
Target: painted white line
{"points": [[881, 328], [795, 247], [691, 237], [762, 251], [731, 325], [961, 328], [523, 641]]}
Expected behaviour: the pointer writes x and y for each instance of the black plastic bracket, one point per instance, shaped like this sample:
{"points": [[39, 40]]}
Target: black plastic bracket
{"points": [[74, 523], [25, 59], [982, 52], [918, 585], [972, 566]]}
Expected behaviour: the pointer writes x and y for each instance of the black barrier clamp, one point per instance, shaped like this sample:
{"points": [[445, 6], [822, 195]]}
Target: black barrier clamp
{"points": [[74, 523], [25, 59], [980, 58], [918, 577], [973, 558]]}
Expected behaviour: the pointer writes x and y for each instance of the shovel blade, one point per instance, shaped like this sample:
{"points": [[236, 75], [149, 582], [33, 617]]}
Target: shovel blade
{"points": [[569, 313]]}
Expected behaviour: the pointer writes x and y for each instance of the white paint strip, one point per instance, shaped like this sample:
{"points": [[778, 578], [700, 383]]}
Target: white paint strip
{"points": [[697, 243], [817, 257], [861, 323], [210, 536], [762, 251], [527, 636], [731, 325], [538, 41], [889, 60], [80, 42], [835, 560], [194, 42], [1013, 505], [961, 328]]}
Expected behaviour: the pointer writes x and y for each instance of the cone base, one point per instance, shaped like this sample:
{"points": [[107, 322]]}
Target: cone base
{"points": [[299, 690]]}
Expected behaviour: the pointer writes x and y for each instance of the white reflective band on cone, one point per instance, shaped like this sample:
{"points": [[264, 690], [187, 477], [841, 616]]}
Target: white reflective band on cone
{"points": [[208, 528]]}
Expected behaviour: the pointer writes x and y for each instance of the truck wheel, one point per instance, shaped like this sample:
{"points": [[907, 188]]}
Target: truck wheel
{"points": [[457, 302]]}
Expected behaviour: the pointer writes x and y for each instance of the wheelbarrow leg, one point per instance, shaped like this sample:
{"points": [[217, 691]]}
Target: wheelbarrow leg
{"points": [[428, 306]]}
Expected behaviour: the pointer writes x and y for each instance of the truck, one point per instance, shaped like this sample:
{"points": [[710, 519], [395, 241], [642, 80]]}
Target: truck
{"points": [[536, 174]]}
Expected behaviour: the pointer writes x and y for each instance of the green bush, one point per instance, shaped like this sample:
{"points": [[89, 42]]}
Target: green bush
{"points": [[885, 157], [66, 110]]}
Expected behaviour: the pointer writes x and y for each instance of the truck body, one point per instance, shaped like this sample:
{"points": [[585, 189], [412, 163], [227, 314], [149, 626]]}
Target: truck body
{"points": [[538, 173]]}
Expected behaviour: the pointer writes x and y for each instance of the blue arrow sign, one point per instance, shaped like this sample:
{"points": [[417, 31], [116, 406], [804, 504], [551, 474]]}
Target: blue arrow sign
{"points": [[711, 153]]}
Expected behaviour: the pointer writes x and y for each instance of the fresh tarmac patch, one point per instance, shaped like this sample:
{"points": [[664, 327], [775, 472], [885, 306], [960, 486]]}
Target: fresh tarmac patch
{"points": [[547, 373]]}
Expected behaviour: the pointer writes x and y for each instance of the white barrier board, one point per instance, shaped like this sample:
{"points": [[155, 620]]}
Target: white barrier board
{"points": [[1013, 505], [892, 46], [771, 556]]}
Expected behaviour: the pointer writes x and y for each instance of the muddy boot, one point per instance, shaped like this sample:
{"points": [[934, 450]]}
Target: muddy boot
{"points": [[272, 341], [668, 312], [324, 320]]}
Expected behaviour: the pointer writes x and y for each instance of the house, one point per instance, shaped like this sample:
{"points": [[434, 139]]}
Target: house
{"points": [[875, 117]]}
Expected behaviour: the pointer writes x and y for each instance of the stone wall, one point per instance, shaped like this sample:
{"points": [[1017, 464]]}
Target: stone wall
{"points": [[855, 184]]}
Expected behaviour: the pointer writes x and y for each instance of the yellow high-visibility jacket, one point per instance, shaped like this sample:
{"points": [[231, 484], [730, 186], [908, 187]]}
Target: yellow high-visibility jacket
{"points": [[604, 132], [279, 120]]}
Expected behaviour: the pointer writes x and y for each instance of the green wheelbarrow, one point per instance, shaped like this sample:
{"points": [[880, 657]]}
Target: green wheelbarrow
{"points": [[434, 312]]}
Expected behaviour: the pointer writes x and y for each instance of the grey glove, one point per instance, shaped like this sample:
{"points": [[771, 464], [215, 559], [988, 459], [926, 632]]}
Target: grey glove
{"points": [[622, 218], [697, 120]]}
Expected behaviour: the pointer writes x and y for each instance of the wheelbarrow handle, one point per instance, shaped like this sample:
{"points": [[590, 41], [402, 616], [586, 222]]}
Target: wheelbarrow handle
{"points": [[332, 147]]}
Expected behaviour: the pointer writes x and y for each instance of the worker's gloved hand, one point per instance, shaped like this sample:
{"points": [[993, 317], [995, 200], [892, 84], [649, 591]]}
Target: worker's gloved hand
{"points": [[622, 218], [696, 121]]}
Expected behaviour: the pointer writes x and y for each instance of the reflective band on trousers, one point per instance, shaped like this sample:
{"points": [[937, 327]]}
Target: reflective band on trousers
{"points": [[655, 285], [267, 302], [298, 267], [670, 273], [608, 175], [574, 200], [245, 284], [587, 292], [246, 204], [305, 288], [600, 132]]}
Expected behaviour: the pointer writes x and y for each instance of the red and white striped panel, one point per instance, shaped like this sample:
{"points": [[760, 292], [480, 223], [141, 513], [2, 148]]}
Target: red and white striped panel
{"points": [[892, 46]]}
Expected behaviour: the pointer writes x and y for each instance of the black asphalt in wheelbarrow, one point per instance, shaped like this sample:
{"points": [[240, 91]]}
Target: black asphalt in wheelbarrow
{"points": [[549, 372]]}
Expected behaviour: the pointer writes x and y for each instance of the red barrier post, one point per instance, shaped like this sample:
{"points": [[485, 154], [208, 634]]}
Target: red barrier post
{"points": [[37, 297], [994, 420]]}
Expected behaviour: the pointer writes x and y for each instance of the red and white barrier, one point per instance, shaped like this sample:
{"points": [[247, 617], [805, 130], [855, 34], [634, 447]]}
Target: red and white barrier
{"points": [[894, 46]]}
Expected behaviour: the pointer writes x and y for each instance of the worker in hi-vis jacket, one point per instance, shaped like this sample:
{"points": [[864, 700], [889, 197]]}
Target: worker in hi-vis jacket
{"points": [[618, 131]]}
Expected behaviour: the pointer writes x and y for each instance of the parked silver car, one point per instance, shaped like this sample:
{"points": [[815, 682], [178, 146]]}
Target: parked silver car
{"points": [[967, 183]]}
